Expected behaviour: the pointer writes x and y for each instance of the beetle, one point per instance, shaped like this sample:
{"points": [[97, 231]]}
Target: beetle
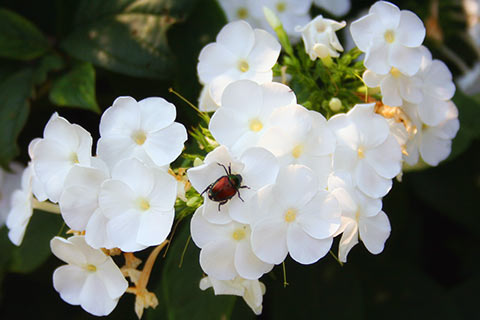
{"points": [[225, 187]]}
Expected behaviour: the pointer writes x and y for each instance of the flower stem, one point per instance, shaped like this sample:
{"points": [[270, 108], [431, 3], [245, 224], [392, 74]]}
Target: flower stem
{"points": [[147, 269]]}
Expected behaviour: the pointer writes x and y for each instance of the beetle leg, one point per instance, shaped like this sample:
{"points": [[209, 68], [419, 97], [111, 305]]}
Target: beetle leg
{"points": [[221, 203], [207, 188], [244, 187], [238, 191]]}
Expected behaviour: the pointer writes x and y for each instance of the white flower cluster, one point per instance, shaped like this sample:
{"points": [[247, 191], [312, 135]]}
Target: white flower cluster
{"points": [[291, 13], [123, 197], [410, 79], [286, 181]]}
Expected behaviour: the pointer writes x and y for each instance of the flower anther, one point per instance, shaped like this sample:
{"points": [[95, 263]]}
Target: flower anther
{"points": [[290, 215]]}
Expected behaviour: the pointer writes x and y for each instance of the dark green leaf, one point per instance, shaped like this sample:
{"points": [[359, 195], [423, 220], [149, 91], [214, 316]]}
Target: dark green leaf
{"points": [[48, 63], [15, 90], [179, 287], [76, 88], [127, 36], [35, 248], [19, 38]]}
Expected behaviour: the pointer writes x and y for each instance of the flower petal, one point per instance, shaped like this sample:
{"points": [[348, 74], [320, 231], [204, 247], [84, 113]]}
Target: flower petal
{"points": [[217, 260], [269, 240], [68, 280], [303, 248], [374, 231], [247, 264], [155, 227], [165, 145]]}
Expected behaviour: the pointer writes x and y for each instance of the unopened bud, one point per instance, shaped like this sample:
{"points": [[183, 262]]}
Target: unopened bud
{"points": [[335, 104], [272, 18], [197, 162]]}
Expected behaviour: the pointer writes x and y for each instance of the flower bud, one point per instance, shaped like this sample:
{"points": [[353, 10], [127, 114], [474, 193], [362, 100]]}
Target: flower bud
{"points": [[272, 18], [335, 104]]}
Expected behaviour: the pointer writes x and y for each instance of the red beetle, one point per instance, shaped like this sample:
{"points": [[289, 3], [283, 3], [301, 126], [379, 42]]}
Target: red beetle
{"points": [[225, 187]]}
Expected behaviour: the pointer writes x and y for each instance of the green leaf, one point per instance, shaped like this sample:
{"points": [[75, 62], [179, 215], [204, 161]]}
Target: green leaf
{"points": [[15, 91], [127, 36], [76, 88], [469, 116], [19, 38], [48, 63], [179, 287], [35, 248]]}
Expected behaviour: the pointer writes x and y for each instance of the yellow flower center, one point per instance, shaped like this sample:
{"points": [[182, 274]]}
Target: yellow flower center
{"points": [[281, 6], [91, 268], [389, 36], [395, 72], [143, 204], [255, 125], [139, 137], [243, 65], [74, 157], [361, 152], [290, 215], [297, 151], [239, 234], [242, 13]]}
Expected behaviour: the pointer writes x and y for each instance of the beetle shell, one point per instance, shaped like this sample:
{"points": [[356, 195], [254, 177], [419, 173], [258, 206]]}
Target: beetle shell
{"points": [[222, 189]]}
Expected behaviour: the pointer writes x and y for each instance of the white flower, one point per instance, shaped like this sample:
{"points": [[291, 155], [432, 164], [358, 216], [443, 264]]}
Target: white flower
{"points": [[9, 182], [245, 112], [139, 203], [366, 149], [79, 198], [437, 88], [21, 208], [390, 38], [63, 146], [226, 249], [256, 166], [301, 136], [292, 13], [241, 10], [90, 279], [251, 291], [336, 7], [320, 39], [144, 129], [395, 86], [362, 217], [432, 143], [240, 52], [79, 203], [294, 217]]}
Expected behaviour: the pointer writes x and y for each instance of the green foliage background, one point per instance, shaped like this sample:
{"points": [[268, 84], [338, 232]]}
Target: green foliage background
{"points": [[76, 57]]}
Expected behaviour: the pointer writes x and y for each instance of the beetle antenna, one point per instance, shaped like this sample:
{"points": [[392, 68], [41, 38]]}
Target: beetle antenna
{"points": [[224, 168]]}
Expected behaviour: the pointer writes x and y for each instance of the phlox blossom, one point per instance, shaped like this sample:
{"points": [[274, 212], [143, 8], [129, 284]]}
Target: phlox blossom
{"points": [[251, 291], [226, 249], [294, 217], [390, 38], [145, 130], [90, 279], [239, 52]]}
